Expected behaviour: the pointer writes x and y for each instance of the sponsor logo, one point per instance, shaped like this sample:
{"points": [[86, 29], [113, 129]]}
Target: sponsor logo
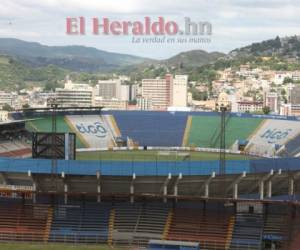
{"points": [[275, 135], [96, 129]]}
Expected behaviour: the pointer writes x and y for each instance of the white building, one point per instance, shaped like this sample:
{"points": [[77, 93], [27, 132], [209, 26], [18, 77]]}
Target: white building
{"points": [[74, 95], [111, 103], [251, 107], [166, 92], [7, 98], [144, 103], [272, 101], [279, 77], [179, 96], [113, 89], [108, 89], [158, 91], [3, 115]]}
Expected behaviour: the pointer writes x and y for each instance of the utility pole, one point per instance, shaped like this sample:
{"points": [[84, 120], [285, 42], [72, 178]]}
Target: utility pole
{"points": [[53, 106], [222, 162]]}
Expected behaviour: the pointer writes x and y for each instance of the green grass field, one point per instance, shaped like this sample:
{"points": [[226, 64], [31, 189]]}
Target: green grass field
{"points": [[153, 156], [53, 246]]}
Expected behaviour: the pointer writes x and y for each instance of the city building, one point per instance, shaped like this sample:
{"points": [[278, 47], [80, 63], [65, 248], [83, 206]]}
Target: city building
{"points": [[158, 91], [7, 98], [179, 96], [144, 103], [166, 92], [108, 89], [272, 101], [3, 115], [74, 95], [223, 101], [295, 94], [250, 106], [110, 103]]}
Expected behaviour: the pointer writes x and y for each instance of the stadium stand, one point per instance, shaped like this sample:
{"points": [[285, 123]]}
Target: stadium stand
{"points": [[208, 228], [275, 225], [22, 223], [152, 128], [94, 130], [44, 124], [119, 223], [78, 224], [271, 135], [14, 148], [247, 233], [197, 129], [138, 223], [205, 131], [291, 148]]}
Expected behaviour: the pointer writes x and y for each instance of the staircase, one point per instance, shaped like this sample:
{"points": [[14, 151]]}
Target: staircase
{"points": [[111, 226], [168, 224], [48, 224]]}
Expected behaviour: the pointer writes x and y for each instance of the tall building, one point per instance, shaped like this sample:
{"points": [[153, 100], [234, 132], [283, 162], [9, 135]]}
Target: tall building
{"points": [[166, 92], [74, 95], [157, 91], [179, 96], [108, 89], [295, 95], [7, 98], [272, 101], [113, 89]]}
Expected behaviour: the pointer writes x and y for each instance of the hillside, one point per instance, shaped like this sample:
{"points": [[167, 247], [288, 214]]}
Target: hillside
{"points": [[286, 47], [193, 58], [75, 58], [15, 75]]}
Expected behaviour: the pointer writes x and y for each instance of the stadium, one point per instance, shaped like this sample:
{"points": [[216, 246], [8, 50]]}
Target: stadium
{"points": [[149, 180]]}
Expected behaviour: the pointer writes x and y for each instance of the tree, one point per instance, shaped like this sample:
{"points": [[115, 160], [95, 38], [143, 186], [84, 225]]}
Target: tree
{"points": [[266, 110], [26, 106], [7, 107]]}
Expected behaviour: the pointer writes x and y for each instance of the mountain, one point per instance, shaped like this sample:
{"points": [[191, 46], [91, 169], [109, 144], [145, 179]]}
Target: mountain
{"points": [[285, 47], [75, 58], [15, 75], [193, 58], [183, 63]]}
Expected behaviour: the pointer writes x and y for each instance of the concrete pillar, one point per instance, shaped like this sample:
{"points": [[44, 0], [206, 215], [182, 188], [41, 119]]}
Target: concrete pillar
{"points": [[206, 194], [66, 195], [291, 186], [269, 194], [98, 193], [261, 190], [34, 192], [235, 191]]}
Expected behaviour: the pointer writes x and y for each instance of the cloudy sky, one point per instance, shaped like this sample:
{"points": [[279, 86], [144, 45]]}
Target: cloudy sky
{"points": [[235, 22]]}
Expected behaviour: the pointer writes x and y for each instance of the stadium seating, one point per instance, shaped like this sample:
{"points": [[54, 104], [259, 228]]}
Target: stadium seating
{"points": [[275, 223], [44, 124], [292, 148], [15, 148], [247, 233], [79, 224], [22, 223], [152, 128], [201, 129], [137, 223], [190, 224], [205, 130]]}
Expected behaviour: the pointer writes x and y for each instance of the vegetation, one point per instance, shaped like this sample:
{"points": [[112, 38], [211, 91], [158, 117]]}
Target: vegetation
{"points": [[15, 75]]}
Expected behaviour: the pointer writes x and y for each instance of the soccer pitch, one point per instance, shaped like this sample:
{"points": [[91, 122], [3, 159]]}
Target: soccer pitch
{"points": [[147, 155]]}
